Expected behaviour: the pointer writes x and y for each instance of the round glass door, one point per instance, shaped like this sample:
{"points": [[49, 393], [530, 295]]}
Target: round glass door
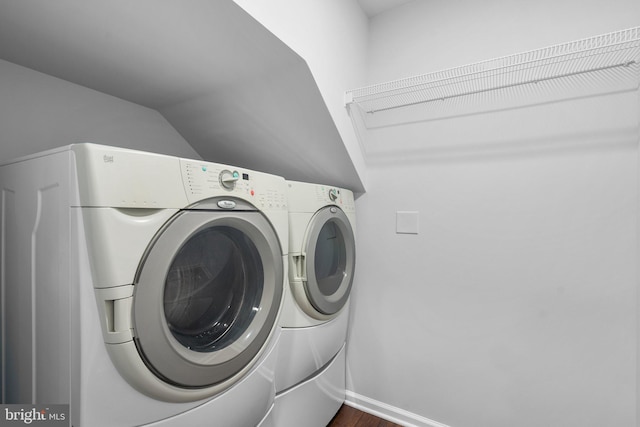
{"points": [[330, 260], [207, 296], [213, 289]]}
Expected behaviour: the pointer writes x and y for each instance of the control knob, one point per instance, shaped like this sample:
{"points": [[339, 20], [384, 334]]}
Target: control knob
{"points": [[228, 179], [333, 194]]}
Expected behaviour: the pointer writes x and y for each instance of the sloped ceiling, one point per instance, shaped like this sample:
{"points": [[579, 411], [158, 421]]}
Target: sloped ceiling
{"points": [[232, 89]]}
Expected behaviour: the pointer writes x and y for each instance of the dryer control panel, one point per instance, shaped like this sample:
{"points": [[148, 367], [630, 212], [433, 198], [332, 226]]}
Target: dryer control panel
{"points": [[307, 197], [337, 196], [203, 180]]}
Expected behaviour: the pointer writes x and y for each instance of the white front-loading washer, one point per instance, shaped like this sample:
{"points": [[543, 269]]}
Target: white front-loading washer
{"points": [[141, 289], [310, 375]]}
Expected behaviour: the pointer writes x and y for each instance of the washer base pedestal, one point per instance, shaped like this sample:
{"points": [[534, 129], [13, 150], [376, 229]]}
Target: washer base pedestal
{"points": [[314, 402]]}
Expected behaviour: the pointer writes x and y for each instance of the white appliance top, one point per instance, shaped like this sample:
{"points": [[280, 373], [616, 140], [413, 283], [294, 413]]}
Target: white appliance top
{"points": [[123, 178]]}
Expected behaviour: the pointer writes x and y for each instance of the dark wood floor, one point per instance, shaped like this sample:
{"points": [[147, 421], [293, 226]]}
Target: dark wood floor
{"points": [[350, 417]]}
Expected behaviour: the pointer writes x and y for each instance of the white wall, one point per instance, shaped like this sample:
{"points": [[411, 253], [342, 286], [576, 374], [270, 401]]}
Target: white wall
{"points": [[516, 304], [331, 36], [39, 112]]}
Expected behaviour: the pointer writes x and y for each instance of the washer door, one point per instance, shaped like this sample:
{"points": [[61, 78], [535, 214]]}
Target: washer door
{"points": [[207, 296], [330, 260]]}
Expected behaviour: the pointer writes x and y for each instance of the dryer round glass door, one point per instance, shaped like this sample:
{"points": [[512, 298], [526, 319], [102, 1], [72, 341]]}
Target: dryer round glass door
{"points": [[330, 260], [207, 296]]}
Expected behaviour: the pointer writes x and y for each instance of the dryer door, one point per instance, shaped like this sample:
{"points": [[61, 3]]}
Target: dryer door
{"points": [[330, 260], [207, 296]]}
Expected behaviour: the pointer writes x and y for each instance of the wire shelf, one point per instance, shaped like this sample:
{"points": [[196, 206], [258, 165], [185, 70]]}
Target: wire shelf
{"points": [[604, 52]]}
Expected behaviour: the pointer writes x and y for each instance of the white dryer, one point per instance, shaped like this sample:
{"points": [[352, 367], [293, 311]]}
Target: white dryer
{"points": [[141, 289], [310, 376]]}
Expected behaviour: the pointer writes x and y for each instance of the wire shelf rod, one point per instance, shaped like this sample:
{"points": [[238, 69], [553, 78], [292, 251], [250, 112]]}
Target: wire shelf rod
{"points": [[506, 68], [593, 54], [532, 81]]}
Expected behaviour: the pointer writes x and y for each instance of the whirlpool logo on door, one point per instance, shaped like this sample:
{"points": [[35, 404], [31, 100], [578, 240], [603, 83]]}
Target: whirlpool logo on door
{"points": [[37, 415]]}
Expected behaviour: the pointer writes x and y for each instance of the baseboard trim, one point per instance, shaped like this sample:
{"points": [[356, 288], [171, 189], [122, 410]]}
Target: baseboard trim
{"points": [[388, 412]]}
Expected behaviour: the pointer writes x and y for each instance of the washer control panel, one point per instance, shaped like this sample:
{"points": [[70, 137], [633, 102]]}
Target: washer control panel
{"points": [[203, 180]]}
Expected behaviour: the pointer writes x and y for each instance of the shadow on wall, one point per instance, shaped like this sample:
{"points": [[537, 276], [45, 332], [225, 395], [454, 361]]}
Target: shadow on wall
{"points": [[596, 122], [582, 111]]}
